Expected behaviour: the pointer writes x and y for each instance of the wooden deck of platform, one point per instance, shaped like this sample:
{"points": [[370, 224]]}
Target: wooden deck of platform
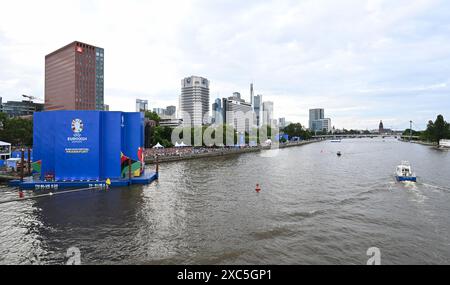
{"points": [[29, 184]]}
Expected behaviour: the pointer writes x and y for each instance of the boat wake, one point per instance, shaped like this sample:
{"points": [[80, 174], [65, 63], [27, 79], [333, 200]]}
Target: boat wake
{"points": [[413, 188], [391, 185], [410, 185], [436, 188]]}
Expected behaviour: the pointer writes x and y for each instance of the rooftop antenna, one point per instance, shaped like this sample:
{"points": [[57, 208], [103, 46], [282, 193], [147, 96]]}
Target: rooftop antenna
{"points": [[251, 94], [410, 130]]}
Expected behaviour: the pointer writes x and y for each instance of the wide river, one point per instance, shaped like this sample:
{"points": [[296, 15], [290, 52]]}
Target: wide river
{"points": [[314, 208]]}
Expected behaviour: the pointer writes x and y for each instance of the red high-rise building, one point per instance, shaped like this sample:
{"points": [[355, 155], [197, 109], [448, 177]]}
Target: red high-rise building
{"points": [[74, 78]]}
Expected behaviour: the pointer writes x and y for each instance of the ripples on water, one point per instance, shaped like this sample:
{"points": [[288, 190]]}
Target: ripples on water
{"points": [[314, 208]]}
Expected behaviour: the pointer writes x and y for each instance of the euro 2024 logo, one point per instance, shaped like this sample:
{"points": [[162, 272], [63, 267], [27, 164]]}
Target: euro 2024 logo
{"points": [[77, 126]]}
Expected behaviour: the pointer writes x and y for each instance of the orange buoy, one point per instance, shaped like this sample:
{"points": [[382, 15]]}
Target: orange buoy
{"points": [[258, 189], [21, 194]]}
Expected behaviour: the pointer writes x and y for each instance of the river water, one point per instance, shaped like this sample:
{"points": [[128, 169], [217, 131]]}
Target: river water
{"points": [[314, 208]]}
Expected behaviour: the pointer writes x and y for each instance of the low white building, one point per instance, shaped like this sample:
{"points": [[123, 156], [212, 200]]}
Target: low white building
{"points": [[444, 143], [5, 150]]}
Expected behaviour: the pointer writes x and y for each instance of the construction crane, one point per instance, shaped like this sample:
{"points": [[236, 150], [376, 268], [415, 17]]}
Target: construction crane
{"points": [[30, 98]]}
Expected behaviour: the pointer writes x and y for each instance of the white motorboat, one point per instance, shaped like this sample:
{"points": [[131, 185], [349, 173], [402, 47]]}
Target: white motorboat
{"points": [[404, 172]]}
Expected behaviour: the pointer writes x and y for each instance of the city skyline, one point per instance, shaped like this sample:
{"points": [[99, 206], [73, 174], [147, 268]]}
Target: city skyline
{"points": [[370, 66]]}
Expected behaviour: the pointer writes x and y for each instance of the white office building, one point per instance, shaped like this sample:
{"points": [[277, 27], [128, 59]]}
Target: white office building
{"points": [[237, 113], [268, 113], [194, 101]]}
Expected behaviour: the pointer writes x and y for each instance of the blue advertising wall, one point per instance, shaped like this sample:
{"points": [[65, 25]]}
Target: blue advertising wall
{"points": [[110, 144], [85, 145], [132, 134], [44, 141], [77, 151]]}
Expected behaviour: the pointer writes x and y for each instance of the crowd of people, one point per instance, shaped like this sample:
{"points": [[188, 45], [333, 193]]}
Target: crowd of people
{"points": [[185, 151], [163, 152]]}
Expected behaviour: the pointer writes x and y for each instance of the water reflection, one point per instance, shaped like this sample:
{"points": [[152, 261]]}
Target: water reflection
{"points": [[314, 208]]}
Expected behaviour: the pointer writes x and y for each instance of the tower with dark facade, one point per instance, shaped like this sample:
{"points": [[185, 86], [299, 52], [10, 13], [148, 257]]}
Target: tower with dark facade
{"points": [[381, 128]]}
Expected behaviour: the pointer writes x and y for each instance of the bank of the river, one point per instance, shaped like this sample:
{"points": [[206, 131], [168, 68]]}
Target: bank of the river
{"points": [[425, 143], [421, 142], [6, 178], [221, 152]]}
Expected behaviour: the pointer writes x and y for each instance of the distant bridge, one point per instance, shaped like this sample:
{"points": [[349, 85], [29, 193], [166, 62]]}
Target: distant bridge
{"points": [[362, 136]]}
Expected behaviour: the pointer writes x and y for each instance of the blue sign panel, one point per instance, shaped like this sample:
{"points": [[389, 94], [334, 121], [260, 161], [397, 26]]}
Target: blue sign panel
{"points": [[77, 146], [132, 134], [44, 141], [242, 139], [110, 144]]}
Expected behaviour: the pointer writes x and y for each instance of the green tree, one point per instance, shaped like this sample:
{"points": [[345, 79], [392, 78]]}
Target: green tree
{"points": [[437, 130], [297, 130], [441, 128], [161, 135], [152, 116], [17, 131], [408, 132], [3, 119]]}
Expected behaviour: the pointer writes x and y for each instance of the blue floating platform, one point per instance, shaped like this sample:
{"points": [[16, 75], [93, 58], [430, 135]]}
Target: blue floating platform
{"points": [[29, 184]]}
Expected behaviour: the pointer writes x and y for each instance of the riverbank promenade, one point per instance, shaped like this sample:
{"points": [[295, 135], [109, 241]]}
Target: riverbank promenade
{"points": [[187, 153]]}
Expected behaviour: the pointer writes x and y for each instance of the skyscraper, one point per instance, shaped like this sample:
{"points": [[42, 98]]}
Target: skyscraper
{"points": [[267, 113], [217, 112], [318, 122], [74, 78], [171, 111], [314, 115], [282, 122], [194, 101], [141, 105], [159, 111], [237, 113], [251, 94], [258, 109]]}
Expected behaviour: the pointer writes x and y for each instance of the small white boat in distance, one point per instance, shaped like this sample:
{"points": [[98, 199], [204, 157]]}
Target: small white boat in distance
{"points": [[336, 140], [404, 172]]}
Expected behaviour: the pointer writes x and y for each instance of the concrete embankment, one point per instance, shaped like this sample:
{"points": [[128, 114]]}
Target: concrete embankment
{"points": [[421, 142], [430, 144], [222, 152], [6, 178]]}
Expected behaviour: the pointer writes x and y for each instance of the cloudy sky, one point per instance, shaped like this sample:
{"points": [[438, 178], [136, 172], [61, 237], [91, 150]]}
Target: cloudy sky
{"points": [[361, 60]]}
